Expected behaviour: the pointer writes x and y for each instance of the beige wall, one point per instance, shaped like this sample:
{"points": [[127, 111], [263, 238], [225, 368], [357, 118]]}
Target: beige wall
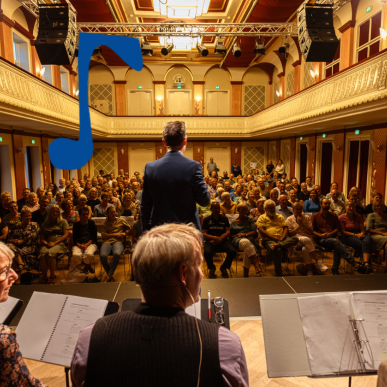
{"points": [[27, 141], [7, 140], [139, 155], [221, 152], [142, 78]]}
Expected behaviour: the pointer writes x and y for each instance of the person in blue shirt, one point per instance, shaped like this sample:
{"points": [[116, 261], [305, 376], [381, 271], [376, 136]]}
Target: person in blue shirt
{"points": [[282, 208], [312, 205], [236, 169]]}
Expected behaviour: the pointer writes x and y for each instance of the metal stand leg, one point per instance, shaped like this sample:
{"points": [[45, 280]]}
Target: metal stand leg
{"points": [[350, 381], [67, 370]]}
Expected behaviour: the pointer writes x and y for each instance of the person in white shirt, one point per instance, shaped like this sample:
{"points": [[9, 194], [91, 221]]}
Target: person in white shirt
{"points": [[320, 195], [62, 185], [309, 184], [337, 206], [280, 167]]}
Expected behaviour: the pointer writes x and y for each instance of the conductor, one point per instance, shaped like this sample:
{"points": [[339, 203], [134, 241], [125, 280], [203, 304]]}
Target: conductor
{"points": [[173, 184]]}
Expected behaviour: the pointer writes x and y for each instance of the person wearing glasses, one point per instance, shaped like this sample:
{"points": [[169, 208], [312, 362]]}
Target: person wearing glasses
{"points": [[158, 334], [13, 370]]}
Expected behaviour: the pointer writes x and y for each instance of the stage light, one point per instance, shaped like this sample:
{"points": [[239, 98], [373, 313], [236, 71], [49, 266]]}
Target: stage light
{"points": [[236, 50], [282, 50], [146, 48], [202, 49], [220, 48], [383, 33], [167, 49], [259, 48]]}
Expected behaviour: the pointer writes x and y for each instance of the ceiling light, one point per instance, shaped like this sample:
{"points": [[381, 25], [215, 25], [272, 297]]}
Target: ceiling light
{"points": [[167, 49], [202, 49], [146, 48], [383, 33], [187, 9], [220, 48], [259, 48], [236, 50]]}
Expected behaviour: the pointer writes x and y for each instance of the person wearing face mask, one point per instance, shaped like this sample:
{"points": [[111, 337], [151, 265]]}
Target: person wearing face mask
{"points": [[13, 370], [158, 344]]}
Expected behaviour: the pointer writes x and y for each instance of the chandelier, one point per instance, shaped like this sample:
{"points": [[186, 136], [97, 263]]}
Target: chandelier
{"points": [[187, 9]]}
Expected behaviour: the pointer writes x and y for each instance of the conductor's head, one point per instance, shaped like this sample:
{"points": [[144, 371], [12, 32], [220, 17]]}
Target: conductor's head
{"points": [[167, 265], [175, 136]]}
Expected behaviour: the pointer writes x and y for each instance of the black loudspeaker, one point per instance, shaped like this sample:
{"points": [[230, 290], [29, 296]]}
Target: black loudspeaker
{"points": [[316, 34], [57, 36]]}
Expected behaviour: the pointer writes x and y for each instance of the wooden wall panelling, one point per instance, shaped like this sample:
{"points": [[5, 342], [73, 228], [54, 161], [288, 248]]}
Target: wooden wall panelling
{"points": [[277, 151], [312, 157], [65, 174], [236, 98], [19, 164], [292, 168], [123, 156], [46, 162], [6, 40], [198, 154], [120, 97], [338, 173], [236, 155], [160, 150], [378, 178]]}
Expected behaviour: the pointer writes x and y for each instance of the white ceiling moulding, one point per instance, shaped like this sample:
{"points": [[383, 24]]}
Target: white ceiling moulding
{"points": [[186, 9]]}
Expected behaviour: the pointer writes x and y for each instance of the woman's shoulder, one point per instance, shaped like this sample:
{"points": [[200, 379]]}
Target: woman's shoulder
{"points": [[342, 217]]}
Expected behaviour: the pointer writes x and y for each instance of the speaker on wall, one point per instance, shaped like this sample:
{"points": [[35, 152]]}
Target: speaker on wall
{"points": [[56, 40], [316, 33]]}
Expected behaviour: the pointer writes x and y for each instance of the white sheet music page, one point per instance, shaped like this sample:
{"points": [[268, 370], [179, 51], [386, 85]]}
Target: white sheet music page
{"points": [[7, 307], [372, 308], [195, 307], [328, 333], [78, 313]]}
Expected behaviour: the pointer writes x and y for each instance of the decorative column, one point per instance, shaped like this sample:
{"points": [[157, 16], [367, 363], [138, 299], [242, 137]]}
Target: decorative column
{"points": [[297, 76], [56, 82], [159, 98], [6, 40], [36, 65], [378, 177], [46, 162], [120, 98], [271, 94], [277, 150], [281, 77], [73, 85], [198, 154], [292, 166], [123, 156], [19, 162], [312, 157], [338, 157], [198, 97], [236, 98], [236, 155], [318, 70], [384, 23], [160, 150]]}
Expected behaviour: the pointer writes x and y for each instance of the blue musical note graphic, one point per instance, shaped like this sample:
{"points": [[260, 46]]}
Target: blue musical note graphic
{"points": [[81, 150]]}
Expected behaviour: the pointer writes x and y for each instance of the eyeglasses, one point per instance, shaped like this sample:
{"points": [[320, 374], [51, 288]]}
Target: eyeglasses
{"points": [[219, 315], [5, 273]]}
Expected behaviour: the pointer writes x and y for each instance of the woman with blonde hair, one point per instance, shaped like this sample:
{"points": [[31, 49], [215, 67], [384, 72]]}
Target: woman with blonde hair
{"points": [[93, 198], [355, 191], [242, 198], [83, 203], [274, 194], [128, 208]]}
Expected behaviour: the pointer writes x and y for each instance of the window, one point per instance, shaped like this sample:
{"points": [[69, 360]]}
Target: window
{"points": [[64, 80], [334, 66], [255, 99], [47, 74], [290, 84], [275, 90], [308, 80], [369, 37], [20, 52]]}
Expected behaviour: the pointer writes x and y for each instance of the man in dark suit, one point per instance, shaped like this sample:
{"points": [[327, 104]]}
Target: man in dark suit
{"points": [[173, 184]]}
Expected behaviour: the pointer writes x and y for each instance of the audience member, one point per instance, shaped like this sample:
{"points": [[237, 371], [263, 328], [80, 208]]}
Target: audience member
{"points": [[219, 192], [126, 208], [369, 208], [24, 200], [326, 226], [280, 167], [295, 185], [5, 200], [312, 205], [274, 232], [281, 189], [282, 208], [377, 227], [40, 192], [33, 204], [309, 183], [354, 235], [216, 233], [212, 167], [100, 209], [40, 215], [243, 232], [269, 169], [357, 192], [12, 219], [136, 233], [3, 232], [82, 200], [274, 195], [303, 194], [228, 207], [53, 188], [62, 185], [115, 230], [250, 203], [319, 195], [59, 198], [242, 198], [137, 174], [358, 209], [340, 195], [76, 195], [337, 206], [235, 170], [53, 243], [293, 197], [256, 212], [300, 226]]}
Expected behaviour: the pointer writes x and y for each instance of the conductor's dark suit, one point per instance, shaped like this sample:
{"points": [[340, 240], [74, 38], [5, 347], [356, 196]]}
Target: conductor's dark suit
{"points": [[172, 187]]}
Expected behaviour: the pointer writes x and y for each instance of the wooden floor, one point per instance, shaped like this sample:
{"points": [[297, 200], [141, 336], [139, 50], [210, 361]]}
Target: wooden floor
{"points": [[251, 335]]}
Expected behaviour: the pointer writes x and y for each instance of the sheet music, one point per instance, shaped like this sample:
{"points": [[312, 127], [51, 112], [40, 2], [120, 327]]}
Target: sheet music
{"points": [[191, 310], [78, 313], [7, 307], [328, 333], [372, 307]]}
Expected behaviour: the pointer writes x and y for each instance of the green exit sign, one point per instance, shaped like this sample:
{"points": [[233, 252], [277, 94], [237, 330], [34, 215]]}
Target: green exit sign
{"points": [[357, 132], [369, 9], [179, 87], [217, 87], [301, 138], [324, 135], [33, 141], [1, 139], [139, 87]]}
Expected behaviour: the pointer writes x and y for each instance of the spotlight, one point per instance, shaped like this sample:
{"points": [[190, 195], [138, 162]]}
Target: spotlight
{"points": [[167, 49], [220, 48], [97, 51], [146, 49], [284, 48], [259, 48], [236, 50], [202, 49]]}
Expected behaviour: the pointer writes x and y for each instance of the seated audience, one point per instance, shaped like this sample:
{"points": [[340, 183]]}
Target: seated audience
{"points": [[114, 234], [33, 204], [71, 217], [24, 200], [312, 205], [126, 208], [274, 195], [82, 200], [59, 198], [84, 247], [257, 194], [137, 190], [256, 212], [262, 187], [49, 195], [319, 195], [228, 207], [212, 187], [93, 198], [309, 183], [358, 209], [100, 209], [250, 203], [274, 233], [369, 208], [219, 192], [304, 193], [39, 192], [377, 227], [326, 226], [40, 215], [13, 369], [281, 189], [243, 232], [216, 233], [62, 185], [88, 187], [295, 185], [293, 196], [337, 206], [300, 226], [5, 200], [236, 193], [53, 243], [3, 232], [283, 208], [357, 192], [76, 195], [340, 195], [354, 235], [12, 219]]}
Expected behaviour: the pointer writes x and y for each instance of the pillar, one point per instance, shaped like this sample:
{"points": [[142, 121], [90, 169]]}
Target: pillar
{"points": [[198, 154], [6, 39], [159, 98], [123, 156], [338, 158], [312, 157], [236, 155], [35, 61], [160, 150], [65, 174], [73, 84], [378, 178], [384, 23], [297, 76], [120, 97], [46, 162], [56, 82], [292, 161], [19, 163], [281, 77], [271, 94], [236, 98], [277, 151], [198, 97], [318, 70]]}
